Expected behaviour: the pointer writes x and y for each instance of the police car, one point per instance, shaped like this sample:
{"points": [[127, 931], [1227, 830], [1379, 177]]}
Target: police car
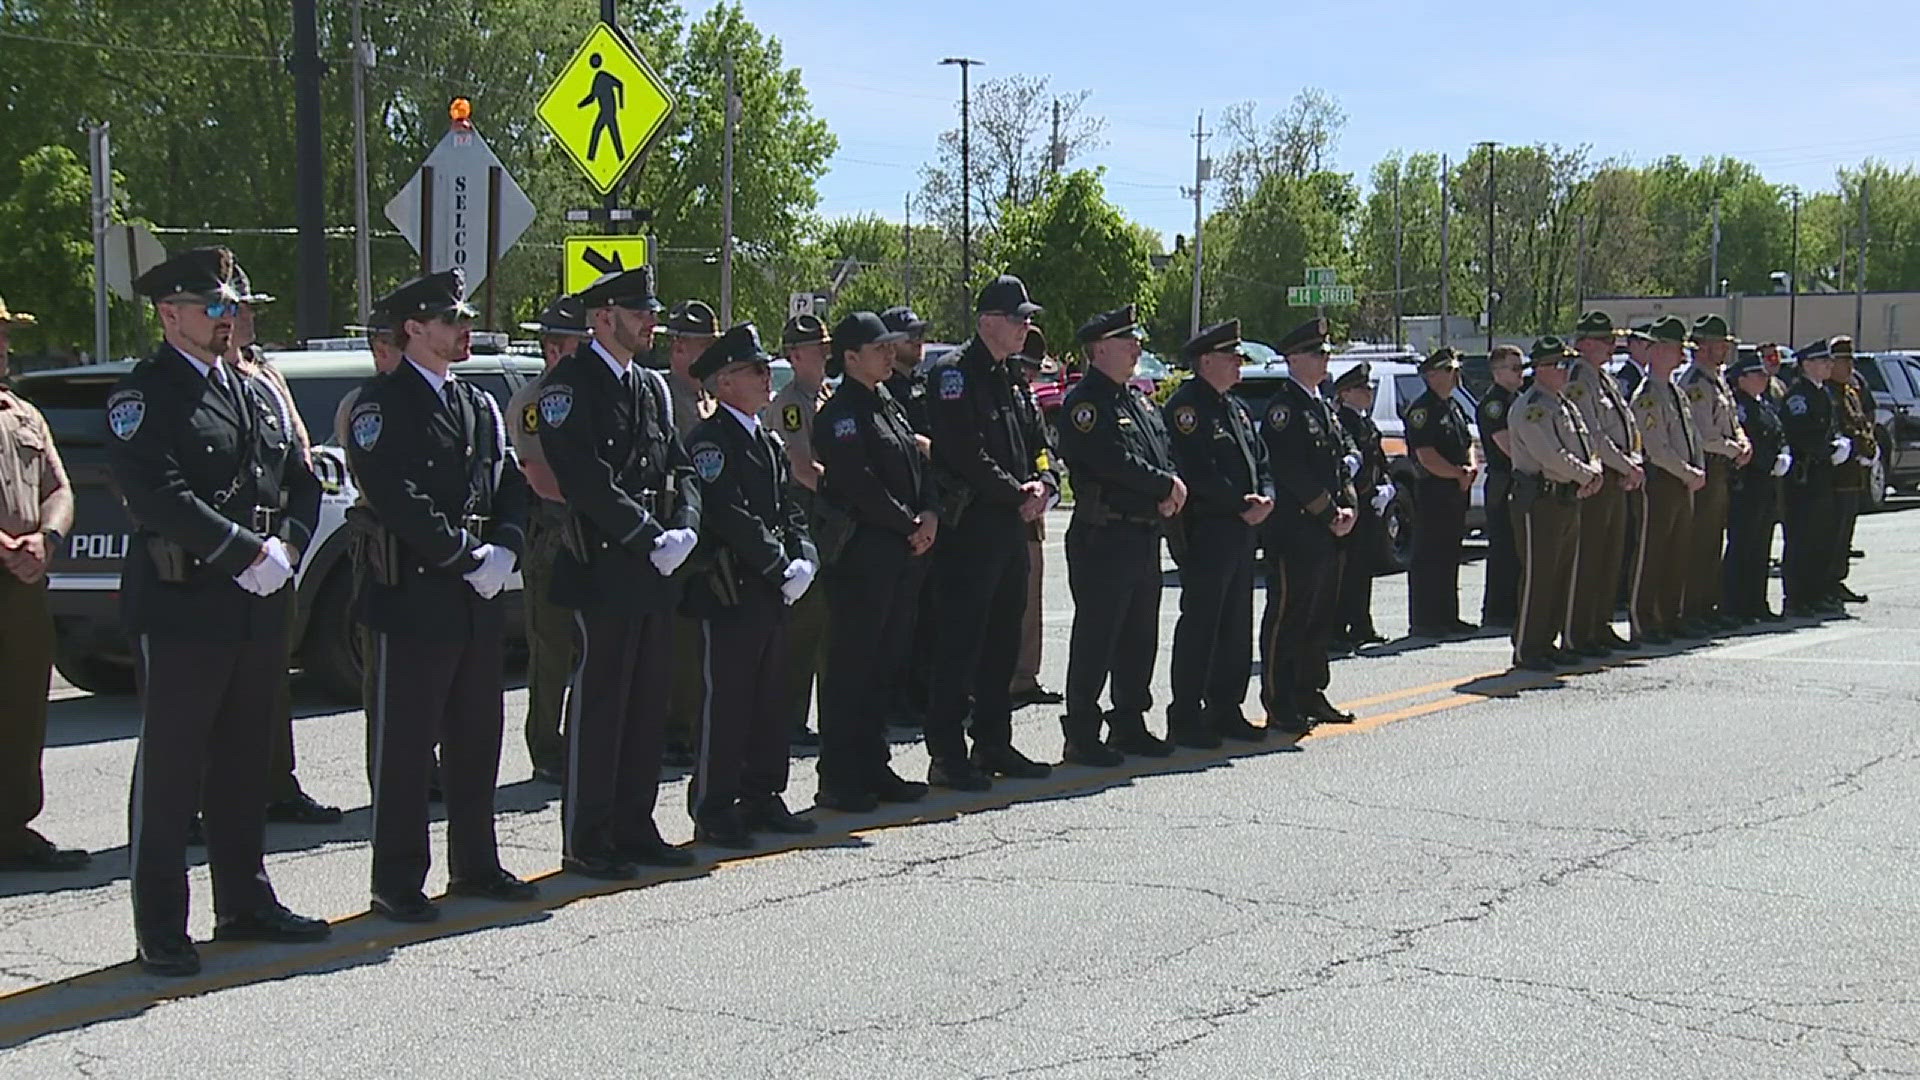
{"points": [[91, 651]]}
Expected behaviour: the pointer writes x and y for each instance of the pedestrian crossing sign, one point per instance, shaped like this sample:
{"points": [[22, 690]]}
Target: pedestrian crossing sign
{"points": [[607, 107]]}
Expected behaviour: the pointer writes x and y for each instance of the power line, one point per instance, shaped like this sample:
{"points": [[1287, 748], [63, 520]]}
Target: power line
{"points": [[198, 54]]}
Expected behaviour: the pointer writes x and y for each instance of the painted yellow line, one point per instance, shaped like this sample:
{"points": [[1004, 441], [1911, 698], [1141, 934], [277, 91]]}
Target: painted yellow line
{"points": [[1415, 691]]}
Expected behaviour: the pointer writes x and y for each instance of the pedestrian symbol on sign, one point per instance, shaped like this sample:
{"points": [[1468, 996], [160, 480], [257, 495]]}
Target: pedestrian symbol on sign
{"points": [[606, 107], [609, 95]]}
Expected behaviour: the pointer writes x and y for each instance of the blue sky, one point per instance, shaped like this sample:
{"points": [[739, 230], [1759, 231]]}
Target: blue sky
{"points": [[1796, 88]]}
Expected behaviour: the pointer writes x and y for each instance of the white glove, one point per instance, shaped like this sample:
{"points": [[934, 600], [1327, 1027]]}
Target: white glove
{"points": [[671, 549], [1352, 462], [1842, 447], [249, 579], [1382, 495], [271, 573], [496, 565], [799, 578], [1783, 464]]}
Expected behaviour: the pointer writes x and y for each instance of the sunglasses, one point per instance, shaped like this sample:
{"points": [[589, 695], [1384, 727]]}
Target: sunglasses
{"points": [[215, 309]]}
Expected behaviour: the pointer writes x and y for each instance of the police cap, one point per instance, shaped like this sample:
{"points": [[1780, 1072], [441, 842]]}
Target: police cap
{"points": [[1444, 358], [1120, 322], [1221, 337], [1595, 324], [1712, 328], [903, 321], [1005, 295], [1354, 377], [1308, 337], [803, 330], [632, 289], [1668, 329], [739, 345], [203, 271], [566, 315], [426, 297]]}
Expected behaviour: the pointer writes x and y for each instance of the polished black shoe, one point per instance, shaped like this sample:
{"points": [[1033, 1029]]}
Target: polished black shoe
{"points": [[1139, 741], [1729, 621], [769, 813], [302, 810], [677, 756], [1288, 724], [1495, 622], [1237, 728], [1436, 632], [46, 859], [1460, 628], [1611, 640], [1830, 608], [1194, 738], [1338, 647], [959, 775], [196, 831], [654, 851], [804, 737], [1035, 695], [1856, 553], [500, 885], [892, 788], [175, 959], [846, 800], [1322, 711], [1008, 762], [550, 774], [272, 924], [1092, 754], [406, 909], [599, 867], [1539, 662], [1769, 615], [1847, 595], [722, 829], [1566, 657]]}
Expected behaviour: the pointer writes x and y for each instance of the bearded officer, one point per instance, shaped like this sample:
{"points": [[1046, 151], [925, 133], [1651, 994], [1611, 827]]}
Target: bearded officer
{"points": [[1615, 436], [1555, 470], [1353, 608], [1230, 495], [1442, 443], [1124, 485], [1810, 528], [1725, 448], [1676, 470], [223, 505], [606, 424], [1500, 602], [905, 383], [1754, 496], [804, 342]]}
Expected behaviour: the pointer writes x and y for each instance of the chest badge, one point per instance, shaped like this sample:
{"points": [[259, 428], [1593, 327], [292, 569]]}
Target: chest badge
{"points": [[125, 413], [1083, 416], [953, 384]]}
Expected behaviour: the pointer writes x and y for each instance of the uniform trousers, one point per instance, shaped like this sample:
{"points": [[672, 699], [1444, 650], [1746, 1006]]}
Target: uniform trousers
{"points": [[204, 722], [1597, 555], [1113, 571], [1500, 603], [282, 785], [1708, 539], [1743, 568], [980, 595], [1360, 549], [550, 645], [26, 660], [684, 700], [1846, 504], [872, 592], [803, 681], [615, 722], [745, 734], [1213, 641], [1660, 568], [1810, 531], [1549, 535], [1026, 668], [1433, 579], [431, 690], [1303, 576]]}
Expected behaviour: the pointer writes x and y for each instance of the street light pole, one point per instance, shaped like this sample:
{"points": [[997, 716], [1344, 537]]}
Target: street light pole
{"points": [[1490, 147], [1793, 277], [966, 171]]}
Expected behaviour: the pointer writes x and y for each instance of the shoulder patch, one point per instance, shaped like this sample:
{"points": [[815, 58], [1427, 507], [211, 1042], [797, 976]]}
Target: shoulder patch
{"points": [[1417, 416], [556, 404], [1797, 405], [125, 411], [1083, 417], [366, 425], [530, 418], [709, 461], [1496, 409], [1185, 420], [1278, 415], [953, 384], [1535, 414], [845, 428], [790, 418]]}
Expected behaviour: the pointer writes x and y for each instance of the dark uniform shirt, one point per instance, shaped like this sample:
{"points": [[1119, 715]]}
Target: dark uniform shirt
{"points": [[1215, 450], [987, 434], [1115, 444], [1761, 421], [747, 508], [217, 472], [910, 393], [1307, 447], [1365, 436], [1491, 415], [1807, 417], [875, 472], [1442, 425]]}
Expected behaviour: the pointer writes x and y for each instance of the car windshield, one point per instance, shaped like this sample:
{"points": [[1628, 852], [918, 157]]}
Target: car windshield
{"points": [[1869, 369], [1258, 353], [1152, 367]]}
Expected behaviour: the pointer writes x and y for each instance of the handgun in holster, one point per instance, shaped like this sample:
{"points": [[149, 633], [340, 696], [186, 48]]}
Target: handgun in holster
{"points": [[377, 548], [171, 562], [718, 568]]}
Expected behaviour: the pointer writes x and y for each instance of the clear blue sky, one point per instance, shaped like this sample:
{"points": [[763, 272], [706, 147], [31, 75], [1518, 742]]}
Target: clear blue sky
{"points": [[1795, 88]]}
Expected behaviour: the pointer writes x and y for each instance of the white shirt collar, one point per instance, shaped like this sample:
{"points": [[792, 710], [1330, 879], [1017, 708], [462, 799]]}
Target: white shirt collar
{"points": [[1312, 391], [437, 382], [748, 421], [619, 369], [206, 370]]}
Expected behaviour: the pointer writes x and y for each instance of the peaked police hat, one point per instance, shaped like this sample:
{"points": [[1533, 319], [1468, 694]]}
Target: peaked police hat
{"points": [[739, 345]]}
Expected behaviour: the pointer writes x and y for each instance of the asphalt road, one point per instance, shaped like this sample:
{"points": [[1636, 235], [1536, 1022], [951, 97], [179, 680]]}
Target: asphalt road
{"points": [[1687, 863]]}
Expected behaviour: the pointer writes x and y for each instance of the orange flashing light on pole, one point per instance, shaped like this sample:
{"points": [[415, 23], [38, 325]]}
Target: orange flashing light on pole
{"points": [[460, 111]]}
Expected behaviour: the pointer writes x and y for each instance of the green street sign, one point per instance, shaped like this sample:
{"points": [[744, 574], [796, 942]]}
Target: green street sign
{"points": [[1319, 295], [1322, 275]]}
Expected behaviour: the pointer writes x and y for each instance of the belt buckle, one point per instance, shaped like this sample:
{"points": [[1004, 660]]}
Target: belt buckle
{"points": [[475, 524], [262, 519]]}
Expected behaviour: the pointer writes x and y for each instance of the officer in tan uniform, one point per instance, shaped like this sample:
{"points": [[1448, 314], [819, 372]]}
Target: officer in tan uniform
{"points": [[1853, 414], [1676, 469], [1603, 515], [36, 510], [1555, 468], [804, 342], [1726, 448], [550, 648], [691, 327]]}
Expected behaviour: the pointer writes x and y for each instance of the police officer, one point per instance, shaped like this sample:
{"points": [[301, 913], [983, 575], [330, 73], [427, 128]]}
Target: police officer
{"points": [[690, 327], [223, 506], [1555, 470], [1442, 444], [1115, 446], [907, 701], [1771, 355], [550, 656], [1230, 495], [1500, 602], [881, 485], [1724, 448], [1615, 435], [988, 439], [1315, 508], [36, 513], [804, 342], [1853, 415], [755, 559], [1754, 496], [449, 514], [905, 383], [1810, 529], [1676, 470], [606, 424], [1353, 610]]}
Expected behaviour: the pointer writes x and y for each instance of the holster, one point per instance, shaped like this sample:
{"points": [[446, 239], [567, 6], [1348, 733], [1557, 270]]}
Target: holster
{"points": [[954, 500], [171, 562], [375, 548], [833, 529], [1526, 488], [719, 573]]}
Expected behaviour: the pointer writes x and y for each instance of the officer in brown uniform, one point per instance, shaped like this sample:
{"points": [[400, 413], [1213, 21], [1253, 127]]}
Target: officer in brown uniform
{"points": [[550, 648], [1677, 470], [1555, 468], [1726, 447], [36, 510], [804, 342], [1604, 514], [1853, 413], [690, 326], [1025, 688]]}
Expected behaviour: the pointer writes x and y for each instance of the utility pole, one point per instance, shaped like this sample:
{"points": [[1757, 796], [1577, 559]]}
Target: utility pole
{"points": [[1713, 264], [1492, 303], [362, 235], [1446, 258], [101, 158], [966, 171], [1202, 172], [1580, 271], [1793, 277], [907, 243], [1399, 298], [1860, 275], [726, 201], [309, 202], [1056, 151]]}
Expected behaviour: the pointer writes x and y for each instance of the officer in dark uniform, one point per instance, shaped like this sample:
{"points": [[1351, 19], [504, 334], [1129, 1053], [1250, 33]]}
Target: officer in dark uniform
{"points": [[1812, 520], [1223, 461], [991, 449], [908, 387], [906, 701], [880, 483], [223, 505], [632, 511], [754, 560], [1500, 603], [1315, 509], [449, 514], [1115, 446], [1361, 548], [1442, 444], [1755, 495]]}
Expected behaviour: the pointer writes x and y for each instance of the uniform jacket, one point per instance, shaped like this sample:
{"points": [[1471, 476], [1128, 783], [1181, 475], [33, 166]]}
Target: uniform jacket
{"points": [[616, 456], [1306, 450], [875, 471], [1714, 414], [910, 393], [1550, 438], [747, 508], [1441, 424], [192, 466], [1365, 436], [1760, 422], [987, 435], [1492, 416], [1216, 450], [1807, 416], [1666, 429], [791, 413], [423, 467], [1115, 445], [1853, 416], [1608, 415]]}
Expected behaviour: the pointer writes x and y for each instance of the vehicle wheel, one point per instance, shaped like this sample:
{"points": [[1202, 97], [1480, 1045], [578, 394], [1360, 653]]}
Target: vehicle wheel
{"points": [[331, 652], [92, 672], [1876, 494], [1397, 533]]}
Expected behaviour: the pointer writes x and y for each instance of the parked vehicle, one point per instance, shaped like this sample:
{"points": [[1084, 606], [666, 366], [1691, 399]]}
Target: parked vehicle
{"points": [[1894, 379], [1050, 391]]}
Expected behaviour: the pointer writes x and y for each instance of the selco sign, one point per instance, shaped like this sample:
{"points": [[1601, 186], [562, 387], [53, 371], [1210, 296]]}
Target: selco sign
{"points": [[448, 219]]}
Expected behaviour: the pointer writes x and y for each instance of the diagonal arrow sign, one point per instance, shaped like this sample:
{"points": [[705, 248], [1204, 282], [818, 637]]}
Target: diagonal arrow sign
{"points": [[588, 257]]}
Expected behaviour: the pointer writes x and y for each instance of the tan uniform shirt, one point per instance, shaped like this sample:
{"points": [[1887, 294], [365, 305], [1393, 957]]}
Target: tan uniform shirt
{"points": [[691, 403], [34, 493], [1608, 416], [1666, 426], [252, 363], [1550, 439], [523, 422], [1715, 416], [791, 414]]}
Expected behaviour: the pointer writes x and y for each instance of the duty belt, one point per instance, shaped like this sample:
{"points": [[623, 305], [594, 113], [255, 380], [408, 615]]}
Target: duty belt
{"points": [[266, 519], [475, 524]]}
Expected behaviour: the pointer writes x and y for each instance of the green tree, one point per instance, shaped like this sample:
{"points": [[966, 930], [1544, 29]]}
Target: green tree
{"points": [[1076, 251], [46, 257], [1266, 245]]}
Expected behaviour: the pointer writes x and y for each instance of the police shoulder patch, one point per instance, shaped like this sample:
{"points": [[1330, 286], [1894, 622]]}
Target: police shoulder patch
{"points": [[845, 428], [1496, 409], [1185, 420], [1417, 416], [709, 461], [1797, 405], [791, 418], [125, 411], [953, 384], [1278, 415], [1083, 417], [556, 404], [366, 425], [530, 418]]}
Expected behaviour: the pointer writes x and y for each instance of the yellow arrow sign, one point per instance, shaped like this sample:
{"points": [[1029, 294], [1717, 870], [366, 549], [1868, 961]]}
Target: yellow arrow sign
{"points": [[588, 257], [606, 107]]}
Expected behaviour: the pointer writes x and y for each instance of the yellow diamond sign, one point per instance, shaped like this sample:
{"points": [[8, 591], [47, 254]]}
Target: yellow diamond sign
{"points": [[588, 257], [606, 107]]}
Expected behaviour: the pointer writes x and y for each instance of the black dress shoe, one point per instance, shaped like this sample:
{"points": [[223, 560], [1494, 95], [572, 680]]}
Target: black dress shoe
{"points": [[1092, 754], [654, 851], [599, 867], [1461, 628], [1611, 640], [769, 813], [1369, 636], [407, 909], [1323, 711], [1237, 728], [846, 800], [1539, 662], [500, 885], [1338, 647], [1655, 637], [1594, 651], [271, 924], [1770, 615], [892, 788], [1565, 657], [960, 775], [1428, 631], [550, 774], [722, 828], [1193, 738], [1847, 595], [1008, 762], [1294, 724], [1036, 695], [175, 959], [1496, 622], [1138, 740], [804, 737], [46, 860], [302, 810]]}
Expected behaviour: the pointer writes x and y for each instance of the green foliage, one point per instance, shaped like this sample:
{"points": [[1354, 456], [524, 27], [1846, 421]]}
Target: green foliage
{"points": [[46, 256], [1267, 244], [1076, 253]]}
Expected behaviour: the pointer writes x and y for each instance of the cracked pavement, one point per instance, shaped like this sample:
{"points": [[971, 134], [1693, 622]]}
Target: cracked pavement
{"points": [[1695, 865]]}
